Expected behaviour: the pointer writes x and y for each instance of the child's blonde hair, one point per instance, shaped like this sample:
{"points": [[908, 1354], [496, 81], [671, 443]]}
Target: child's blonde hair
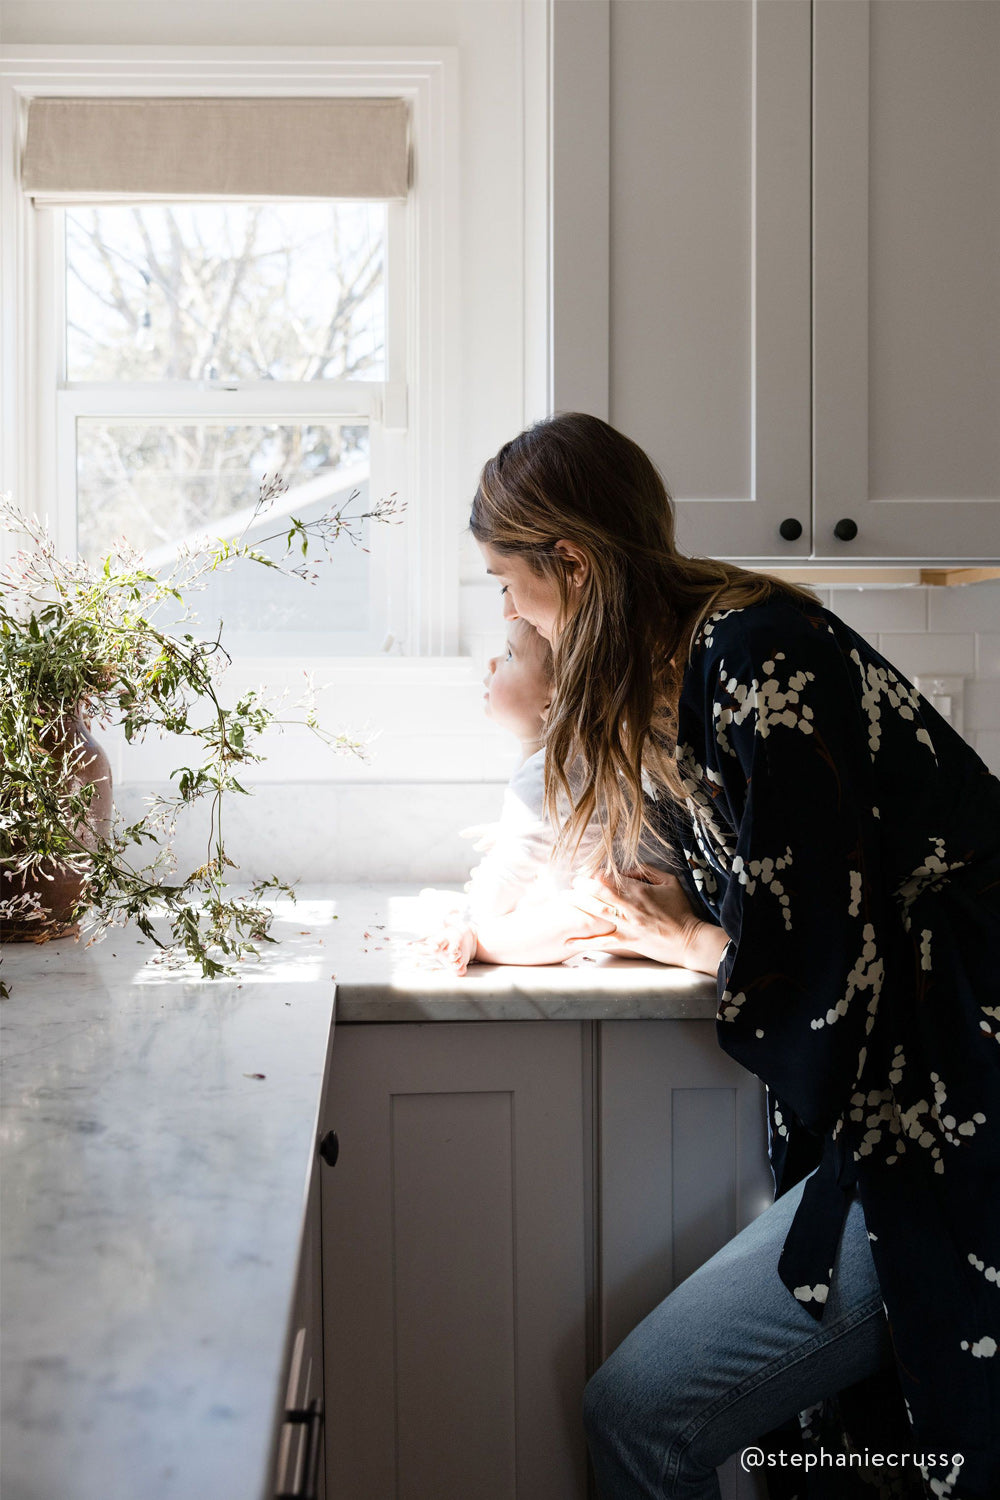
{"points": [[539, 645]]}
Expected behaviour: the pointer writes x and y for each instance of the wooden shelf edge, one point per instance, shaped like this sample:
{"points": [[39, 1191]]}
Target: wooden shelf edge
{"points": [[888, 576], [948, 577]]}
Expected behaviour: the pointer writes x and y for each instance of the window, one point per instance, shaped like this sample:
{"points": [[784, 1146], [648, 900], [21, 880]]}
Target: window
{"points": [[162, 356], [204, 345]]}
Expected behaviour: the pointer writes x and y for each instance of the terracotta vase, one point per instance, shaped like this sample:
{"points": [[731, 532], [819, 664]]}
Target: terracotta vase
{"points": [[58, 888]]}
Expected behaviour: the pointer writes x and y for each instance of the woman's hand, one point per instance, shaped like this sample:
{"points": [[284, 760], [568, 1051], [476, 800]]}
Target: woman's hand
{"points": [[653, 917]]}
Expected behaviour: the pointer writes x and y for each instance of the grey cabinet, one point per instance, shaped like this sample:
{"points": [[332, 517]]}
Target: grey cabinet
{"points": [[454, 1262], [509, 1199], [683, 1161], [906, 249], [804, 277], [709, 347], [682, 1149]]}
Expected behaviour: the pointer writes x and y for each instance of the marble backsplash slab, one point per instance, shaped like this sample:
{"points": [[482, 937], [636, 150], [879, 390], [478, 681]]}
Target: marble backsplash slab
{"points": [[329, 831]]}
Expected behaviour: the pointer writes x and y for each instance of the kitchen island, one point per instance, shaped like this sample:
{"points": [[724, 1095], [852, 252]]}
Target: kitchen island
{"points": [[159, 1136]]}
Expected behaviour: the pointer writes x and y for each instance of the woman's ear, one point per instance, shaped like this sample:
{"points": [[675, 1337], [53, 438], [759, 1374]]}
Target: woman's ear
{"points": [[577, 563]]}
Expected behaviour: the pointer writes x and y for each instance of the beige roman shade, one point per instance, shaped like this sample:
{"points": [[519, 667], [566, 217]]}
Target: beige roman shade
{"points": [[216, 148]]}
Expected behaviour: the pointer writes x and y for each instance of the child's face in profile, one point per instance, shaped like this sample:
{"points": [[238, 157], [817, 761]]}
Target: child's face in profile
{"points": [[519, 682]]}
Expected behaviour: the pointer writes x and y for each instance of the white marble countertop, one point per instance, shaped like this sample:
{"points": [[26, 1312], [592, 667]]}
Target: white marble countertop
{"points": [[381, 976], [154, 1186]]}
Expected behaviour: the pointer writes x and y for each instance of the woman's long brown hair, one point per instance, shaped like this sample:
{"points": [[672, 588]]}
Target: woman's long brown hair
{"points": [[621, 649]]}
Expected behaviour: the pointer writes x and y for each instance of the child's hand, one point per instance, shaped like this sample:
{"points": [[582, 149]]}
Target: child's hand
{"points": [[540, 931], [454, 948]]}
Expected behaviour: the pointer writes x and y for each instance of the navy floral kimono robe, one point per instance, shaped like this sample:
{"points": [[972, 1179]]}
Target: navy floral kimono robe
{"points": [[848, 841]]}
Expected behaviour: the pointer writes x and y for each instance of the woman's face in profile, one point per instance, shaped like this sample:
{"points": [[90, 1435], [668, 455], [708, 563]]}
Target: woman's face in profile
{"points": [[527, 595]]}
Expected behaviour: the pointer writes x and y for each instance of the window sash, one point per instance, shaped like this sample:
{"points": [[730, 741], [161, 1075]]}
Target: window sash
{"points": [[50, 292], [286, 404], [382, 404]]}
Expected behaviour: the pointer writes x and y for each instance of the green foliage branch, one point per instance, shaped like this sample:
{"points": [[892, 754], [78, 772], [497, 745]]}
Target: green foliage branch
{"points": [[81, 640]]}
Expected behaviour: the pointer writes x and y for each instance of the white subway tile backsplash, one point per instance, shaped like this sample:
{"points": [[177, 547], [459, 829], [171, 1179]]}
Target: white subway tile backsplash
{"points": [[988, 655], [918, 655], [982, 705], [987, 744], [972, 606], [881, 609]]}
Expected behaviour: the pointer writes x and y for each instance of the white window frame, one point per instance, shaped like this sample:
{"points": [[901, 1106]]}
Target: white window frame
{"points": [[412, 412], [376, 402]]}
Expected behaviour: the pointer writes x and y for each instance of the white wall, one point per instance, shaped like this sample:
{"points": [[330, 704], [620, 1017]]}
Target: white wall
{"points": [[401, 819]]}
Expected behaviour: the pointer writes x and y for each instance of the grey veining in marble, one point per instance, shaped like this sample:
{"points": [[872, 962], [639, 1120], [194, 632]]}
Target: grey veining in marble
{"points": [[153, 1188], [153, 1198]]}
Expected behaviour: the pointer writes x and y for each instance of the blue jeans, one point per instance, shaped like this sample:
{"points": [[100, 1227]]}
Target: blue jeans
{"points": [[728, 1356]]}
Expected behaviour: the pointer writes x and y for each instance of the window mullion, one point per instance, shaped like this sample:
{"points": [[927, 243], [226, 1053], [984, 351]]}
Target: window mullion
{"points": [[278, 401]]}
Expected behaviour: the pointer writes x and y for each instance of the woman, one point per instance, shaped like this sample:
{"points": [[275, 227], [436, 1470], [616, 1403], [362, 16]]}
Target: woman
{"points": [[842, 854]]}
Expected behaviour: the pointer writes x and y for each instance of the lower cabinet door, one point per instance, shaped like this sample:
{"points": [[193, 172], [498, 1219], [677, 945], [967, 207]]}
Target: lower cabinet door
{"points": [[509, 1199], [454, 1262], [683, 1167]]}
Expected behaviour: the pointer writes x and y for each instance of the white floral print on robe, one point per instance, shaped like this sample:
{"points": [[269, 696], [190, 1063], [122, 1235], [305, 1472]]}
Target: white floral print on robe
{"points": [[848, 840]]}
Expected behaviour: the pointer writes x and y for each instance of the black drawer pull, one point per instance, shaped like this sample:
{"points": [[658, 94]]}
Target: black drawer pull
{"points": [[790, 530], [329, 1148], [846, 530], [313, 1416]]}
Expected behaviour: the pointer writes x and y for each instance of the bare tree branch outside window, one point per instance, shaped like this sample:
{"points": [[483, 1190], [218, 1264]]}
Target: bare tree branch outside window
{"points": [[215, 292]]}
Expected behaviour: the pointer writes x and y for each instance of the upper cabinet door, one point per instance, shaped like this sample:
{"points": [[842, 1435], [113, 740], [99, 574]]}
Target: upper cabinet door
{"points": [[907, 278], [710, 263]]}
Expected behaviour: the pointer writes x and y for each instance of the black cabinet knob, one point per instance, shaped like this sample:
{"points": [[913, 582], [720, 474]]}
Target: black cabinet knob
{"points": [[790, 530], [845, 531], [329, 1148]]}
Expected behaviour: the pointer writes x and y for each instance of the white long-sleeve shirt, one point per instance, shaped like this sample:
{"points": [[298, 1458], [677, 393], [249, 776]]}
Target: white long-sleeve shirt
{"points": [[519, 857]]}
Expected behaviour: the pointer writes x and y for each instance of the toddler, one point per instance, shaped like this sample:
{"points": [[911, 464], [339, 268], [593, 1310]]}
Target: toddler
{"points": [[521, 908]]}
